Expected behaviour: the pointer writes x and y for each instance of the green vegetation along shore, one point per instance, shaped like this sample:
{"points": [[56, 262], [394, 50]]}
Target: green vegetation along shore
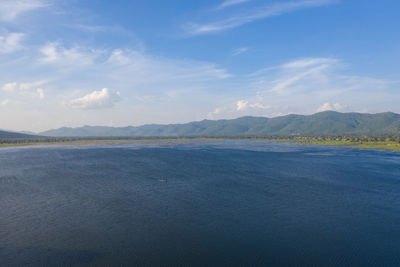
{"points": [[380, 143], [364, 142]]}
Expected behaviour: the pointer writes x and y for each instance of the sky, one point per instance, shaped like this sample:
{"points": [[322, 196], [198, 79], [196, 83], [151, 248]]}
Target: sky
{"points": [[119, 63]]}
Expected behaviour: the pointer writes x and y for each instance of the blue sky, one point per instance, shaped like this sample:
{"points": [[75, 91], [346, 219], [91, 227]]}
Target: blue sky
{"points": [[118, 63]]}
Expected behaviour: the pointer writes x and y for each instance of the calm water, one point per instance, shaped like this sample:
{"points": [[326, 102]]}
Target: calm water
{"points": [[206, 203]]}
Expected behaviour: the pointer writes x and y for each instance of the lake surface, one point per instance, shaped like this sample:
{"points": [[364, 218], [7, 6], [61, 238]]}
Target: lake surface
{"points": [[227, 203]]}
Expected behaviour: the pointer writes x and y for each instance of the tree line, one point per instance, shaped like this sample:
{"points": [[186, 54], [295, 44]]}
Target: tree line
{"points": [[355, 139]]}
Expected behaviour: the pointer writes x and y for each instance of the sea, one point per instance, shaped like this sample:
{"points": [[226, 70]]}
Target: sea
{"points": [[199, 203]]}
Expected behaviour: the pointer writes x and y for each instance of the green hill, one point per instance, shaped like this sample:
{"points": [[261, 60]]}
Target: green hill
{"points": [[319, 124], [14, 135]]}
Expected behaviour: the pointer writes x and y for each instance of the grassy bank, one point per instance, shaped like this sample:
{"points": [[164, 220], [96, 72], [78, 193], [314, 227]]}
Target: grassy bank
{"points": [[362, 143]]}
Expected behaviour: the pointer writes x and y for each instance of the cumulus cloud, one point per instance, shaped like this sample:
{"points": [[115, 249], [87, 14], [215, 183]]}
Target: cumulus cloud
{"points": [[15, 87], [328, 106], [251, 107], [96, 100], [243, 105], [10, 42]]}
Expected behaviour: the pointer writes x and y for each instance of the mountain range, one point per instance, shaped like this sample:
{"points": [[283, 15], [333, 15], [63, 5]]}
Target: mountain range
{"points": [[319, 124]]}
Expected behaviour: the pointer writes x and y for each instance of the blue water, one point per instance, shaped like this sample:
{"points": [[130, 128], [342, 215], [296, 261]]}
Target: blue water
{"points": [[228, 203]]}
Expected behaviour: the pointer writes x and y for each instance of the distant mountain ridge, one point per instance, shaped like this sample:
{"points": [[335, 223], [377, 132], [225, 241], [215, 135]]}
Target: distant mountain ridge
{"points": [[323, 123], [8, 134]]}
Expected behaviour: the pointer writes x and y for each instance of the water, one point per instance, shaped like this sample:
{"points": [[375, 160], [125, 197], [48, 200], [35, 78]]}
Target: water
{"points": [[199, 203]]}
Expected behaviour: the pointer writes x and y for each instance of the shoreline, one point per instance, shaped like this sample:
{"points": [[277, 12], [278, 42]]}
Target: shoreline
{"points": [[375, 145]]}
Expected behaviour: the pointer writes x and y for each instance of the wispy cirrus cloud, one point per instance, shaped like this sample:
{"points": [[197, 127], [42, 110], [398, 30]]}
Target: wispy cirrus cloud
{"points": [[309, 85], [316, 80], [125, 66], [228, 3], [239, 51], [284, 83], [283, 78], [249, 15], [11, 9], [307, 62]]}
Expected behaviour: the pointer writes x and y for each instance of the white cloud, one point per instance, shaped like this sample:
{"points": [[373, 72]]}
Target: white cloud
{"points": [[171, 85], [21, 87], [127, 66], [217, 111], [241, 105], [284, 83], [24, 89], [313, 75], [211, 115], [275, 9], [10, 87], [307, 62], [49, 52], [10, 9], [53, 52], [295, 87], [239, 51], [301, 74], [40, 92], [250, 107], [260, 106], [228, 3], [138, 63], [328, 106], [96, 100], [10, 42]]}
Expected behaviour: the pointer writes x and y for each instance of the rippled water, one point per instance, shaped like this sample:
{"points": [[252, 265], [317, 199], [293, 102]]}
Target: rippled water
{"points": [[199, 203]]}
